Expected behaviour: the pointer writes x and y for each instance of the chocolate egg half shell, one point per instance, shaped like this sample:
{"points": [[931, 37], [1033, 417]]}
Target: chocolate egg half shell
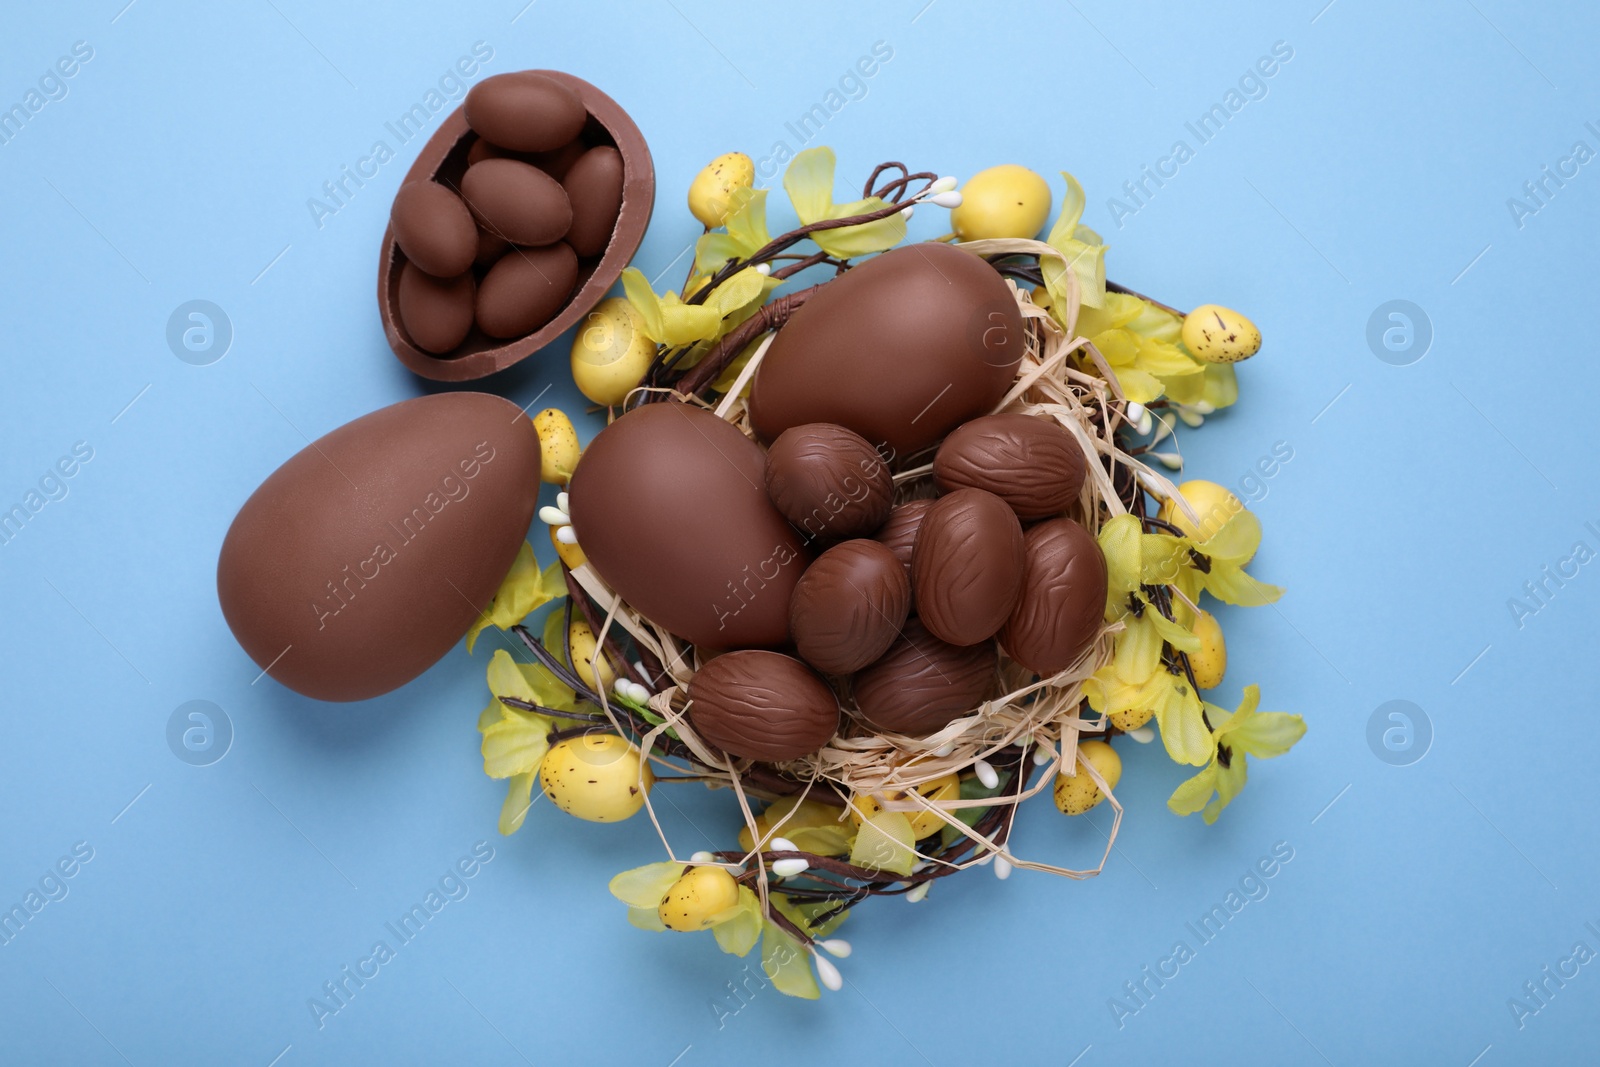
{"points": [[901, 349], [1031, 462], [365, 557], [829, 481], [849, 606], [922, 683], [966, 568], [669, 506], [1063, 598], [762, 706]]}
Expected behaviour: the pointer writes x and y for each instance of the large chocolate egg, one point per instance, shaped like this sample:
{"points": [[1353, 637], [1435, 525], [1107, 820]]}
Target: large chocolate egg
{"points": [[901, 349], [525, 111], [668, 505], [922, 683], [762, 706], [1029, 461], [366, 556], [967, 566], [849, 606], [1063, 598], [829, 481]]}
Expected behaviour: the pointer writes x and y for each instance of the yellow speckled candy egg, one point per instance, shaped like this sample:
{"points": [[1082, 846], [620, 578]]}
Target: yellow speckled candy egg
{"points": [[586, 657], [558, 446], [1076, 794], [712, 189], [610, 352], [696, 900], [923, 823], [595, 777], [1210, 663], [1220, 335], [1004, 201]]}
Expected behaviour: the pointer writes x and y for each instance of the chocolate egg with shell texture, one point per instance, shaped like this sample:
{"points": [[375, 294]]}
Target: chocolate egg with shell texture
{"points": [[966, 568], [829, 481], [669, 506], [1063, 598], [365, 557], [1031, 462], [762, 705], [849, 606], [901, 349], [922, 683]]}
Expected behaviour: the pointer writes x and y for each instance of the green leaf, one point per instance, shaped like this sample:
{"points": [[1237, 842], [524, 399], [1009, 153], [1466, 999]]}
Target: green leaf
{"points": [[644, 887], [519, 798], [787, 964], [809, 183], [884, 843], [739, 932]]}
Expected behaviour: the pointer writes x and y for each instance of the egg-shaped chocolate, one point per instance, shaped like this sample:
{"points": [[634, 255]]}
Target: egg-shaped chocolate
{"points": [[365, 557], [518, 201], [922, 683], [1063, 598], [669, 507], [829, 481], [525, 288], [594, 189], [899, 533], [966, 568], [525, 111], [1031, 462], [491, 246], [435, 312], [762, 706], [434, 229], [901, 349], [849, 606], [555, 162]]}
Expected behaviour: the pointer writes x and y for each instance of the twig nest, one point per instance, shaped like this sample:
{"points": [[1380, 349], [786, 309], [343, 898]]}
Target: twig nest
{"points": [[762, 705]]}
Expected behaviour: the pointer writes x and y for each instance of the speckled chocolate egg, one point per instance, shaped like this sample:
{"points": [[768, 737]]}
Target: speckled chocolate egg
{"points": [[1029, 461], [899, 533], [525, 111], [525, 288], [435, 312], [849, 606], [762, 706], [434, 228], [967, 566], [668, 505], [1063, 598], [922, 683], [901, 349], [366, 556], [594, 188], [518, 201], [829, 481]]}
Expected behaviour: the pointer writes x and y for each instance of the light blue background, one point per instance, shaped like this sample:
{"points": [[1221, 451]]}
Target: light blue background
{"points": [[1377, 167]]}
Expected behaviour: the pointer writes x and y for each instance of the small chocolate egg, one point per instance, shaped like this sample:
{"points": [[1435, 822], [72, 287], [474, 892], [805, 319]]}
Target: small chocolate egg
{"points": [[668, 505], [436, 312], [594, 189], [849, 606], [365, 557], [555, 163], [491, 246], [434, 229], [762, 706], [518, 201], [967, 566], [829, 481], [1063, 598], [901, 349], [1031, 462], [922, 683], [525, 288], [899, 533], [525, 111]]}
